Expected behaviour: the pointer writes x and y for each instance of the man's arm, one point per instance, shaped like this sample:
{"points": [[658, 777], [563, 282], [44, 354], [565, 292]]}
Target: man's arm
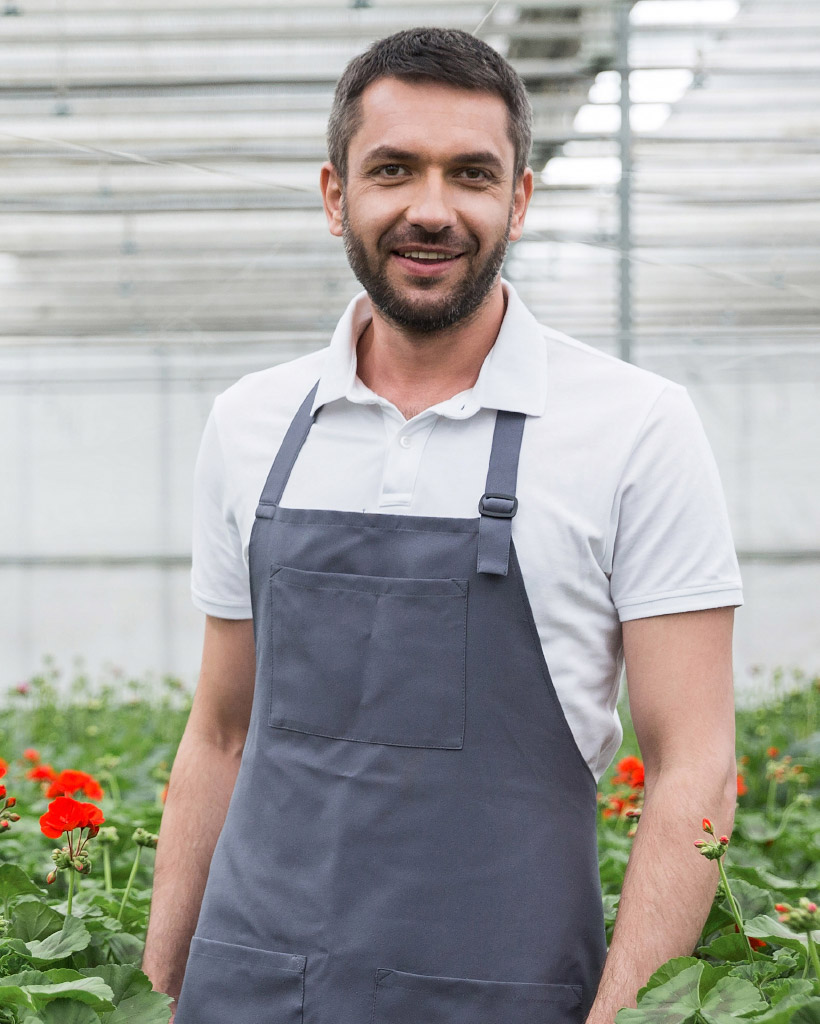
{"points": [[679, 678], [202, 781]]}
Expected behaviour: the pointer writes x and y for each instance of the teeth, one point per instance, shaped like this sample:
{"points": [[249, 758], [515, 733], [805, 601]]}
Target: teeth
{"points": [[427, 256]]}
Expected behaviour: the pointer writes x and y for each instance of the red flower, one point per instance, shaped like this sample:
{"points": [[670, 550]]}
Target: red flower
{"points": [[30, 754], [772, 752], [3, 767], [742, 788], [41, 772], [2, 791], [630, 773], [65, 814], [69, 782]]}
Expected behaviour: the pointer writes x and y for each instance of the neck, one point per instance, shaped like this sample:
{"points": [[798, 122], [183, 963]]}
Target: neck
{"points": [[415, 371]]}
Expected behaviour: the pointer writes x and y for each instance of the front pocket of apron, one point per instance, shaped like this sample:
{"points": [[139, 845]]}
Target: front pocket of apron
{"points": [[225, 982], [402, 998], [373, 659]]}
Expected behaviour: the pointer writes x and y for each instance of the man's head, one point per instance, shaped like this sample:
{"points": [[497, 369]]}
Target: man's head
{"points": [[437, 55], [427, 182]]}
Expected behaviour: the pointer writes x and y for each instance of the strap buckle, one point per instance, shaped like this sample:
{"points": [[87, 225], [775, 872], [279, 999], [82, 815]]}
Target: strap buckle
{"points": [[498, 506]]}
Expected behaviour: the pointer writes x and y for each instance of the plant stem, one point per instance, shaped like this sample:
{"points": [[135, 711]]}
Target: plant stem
{"points": [[735, 912], [815, 959], [70, 890], [771, 799], [109, 888], [131, 878]]}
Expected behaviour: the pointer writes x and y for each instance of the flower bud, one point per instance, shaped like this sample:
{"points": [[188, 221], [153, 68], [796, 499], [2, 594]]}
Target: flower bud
{"points": [[2, 791], [12, 800], [51, 878], [14, 817], [5, 824], [707, 826], [724, 840], [108, 835], [144, 838]]}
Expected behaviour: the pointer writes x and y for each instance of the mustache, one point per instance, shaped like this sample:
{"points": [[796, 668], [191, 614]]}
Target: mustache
{"points": [[446, 238]]}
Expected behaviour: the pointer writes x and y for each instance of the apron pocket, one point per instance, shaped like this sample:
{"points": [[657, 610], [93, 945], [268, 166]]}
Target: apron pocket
{"points": [[224, 982], [419, 999], [374, 659]]}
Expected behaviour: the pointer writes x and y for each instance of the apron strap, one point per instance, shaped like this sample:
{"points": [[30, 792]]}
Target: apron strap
{"points": [[499, 504], [286, 456]]}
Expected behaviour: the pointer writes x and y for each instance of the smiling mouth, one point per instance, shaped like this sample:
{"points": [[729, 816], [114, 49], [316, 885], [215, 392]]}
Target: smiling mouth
{"points": [[428, 257]]}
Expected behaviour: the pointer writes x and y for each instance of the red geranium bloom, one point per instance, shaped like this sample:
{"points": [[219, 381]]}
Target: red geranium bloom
{"points": [[30, 754], [630, 773], [3, 767], [41, 772], [742, 788], [69, 782], [772, 752], [65, 814]]}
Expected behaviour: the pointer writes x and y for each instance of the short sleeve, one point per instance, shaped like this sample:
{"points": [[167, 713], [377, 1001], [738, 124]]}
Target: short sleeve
{"points": [[219, 576], [671, 543]]}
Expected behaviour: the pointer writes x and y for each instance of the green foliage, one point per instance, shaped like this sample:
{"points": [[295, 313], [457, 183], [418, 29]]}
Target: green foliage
{"points": [[83, 967], [772, 859]]}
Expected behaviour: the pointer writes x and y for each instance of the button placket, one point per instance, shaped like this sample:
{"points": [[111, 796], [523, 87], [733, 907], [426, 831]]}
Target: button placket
{"points": [[402, 462]]}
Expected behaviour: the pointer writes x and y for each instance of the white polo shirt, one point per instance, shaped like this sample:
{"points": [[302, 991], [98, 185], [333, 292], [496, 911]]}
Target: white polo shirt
{"points": [[621, 513]]}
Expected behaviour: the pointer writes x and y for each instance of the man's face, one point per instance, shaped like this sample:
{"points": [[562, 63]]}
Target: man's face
{"points": [[430, 201]]}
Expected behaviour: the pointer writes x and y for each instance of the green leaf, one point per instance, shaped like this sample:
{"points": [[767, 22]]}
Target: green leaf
{"points": [[792, 990], [755, 825], [67, 1011], [13, 995], [712, 973], [782, 1011], [726, 947], [34, 921], [142, 1008], [669, 970], [766, 927], [674, 1002], [71, 938], [808, 1014], [729, 999], [15, 882], [759, 972], [751, 899], [767, 880], [125, 948], [27, 978], [124, 980], [90, 991]]}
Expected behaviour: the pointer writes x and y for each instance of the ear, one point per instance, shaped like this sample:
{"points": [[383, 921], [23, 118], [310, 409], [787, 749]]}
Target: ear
{"points": [[331, 185], [521, 200]]}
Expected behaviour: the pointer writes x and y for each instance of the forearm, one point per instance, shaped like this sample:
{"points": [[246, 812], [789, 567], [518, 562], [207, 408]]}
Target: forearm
{"points": [[199, 792], [668, 888]]}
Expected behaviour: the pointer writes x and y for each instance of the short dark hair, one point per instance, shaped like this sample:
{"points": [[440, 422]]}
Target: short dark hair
{"points": [[444, 55]]}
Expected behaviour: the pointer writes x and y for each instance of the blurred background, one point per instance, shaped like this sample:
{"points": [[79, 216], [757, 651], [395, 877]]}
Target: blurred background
{"points": [[161, 234]]}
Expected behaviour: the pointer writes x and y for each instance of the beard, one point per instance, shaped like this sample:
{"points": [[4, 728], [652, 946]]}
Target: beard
{"points": [[438, 313]]}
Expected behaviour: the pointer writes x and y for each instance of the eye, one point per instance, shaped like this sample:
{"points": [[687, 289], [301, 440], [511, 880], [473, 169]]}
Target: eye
{"points": [[391, 171], [475, 174]]}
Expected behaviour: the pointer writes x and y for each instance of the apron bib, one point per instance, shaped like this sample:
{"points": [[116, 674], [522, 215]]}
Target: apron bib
{"points": [[412, 835]]}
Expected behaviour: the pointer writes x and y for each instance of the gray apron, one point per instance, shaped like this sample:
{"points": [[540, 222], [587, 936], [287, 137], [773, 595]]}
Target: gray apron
{"points": [[412, 836]]}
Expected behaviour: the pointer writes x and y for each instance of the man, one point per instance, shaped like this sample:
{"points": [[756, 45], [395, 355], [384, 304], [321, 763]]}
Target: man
{"points": [[419, 518]]}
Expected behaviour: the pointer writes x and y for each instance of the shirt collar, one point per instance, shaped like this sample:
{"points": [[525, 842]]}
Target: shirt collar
{"points": [[513, 375]]}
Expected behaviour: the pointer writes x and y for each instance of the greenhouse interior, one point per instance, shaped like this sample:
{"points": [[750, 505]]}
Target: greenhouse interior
{"points": [[162, 234]]}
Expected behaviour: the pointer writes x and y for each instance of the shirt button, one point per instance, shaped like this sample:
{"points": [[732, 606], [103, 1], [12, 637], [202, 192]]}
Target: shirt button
{"points": [[404, 441]]}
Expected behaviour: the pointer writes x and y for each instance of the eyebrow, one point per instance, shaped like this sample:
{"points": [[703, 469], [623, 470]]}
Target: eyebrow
{"points": [[482, 157]]}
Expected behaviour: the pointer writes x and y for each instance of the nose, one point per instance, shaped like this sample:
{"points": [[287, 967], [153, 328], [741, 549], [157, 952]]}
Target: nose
{"points": [[430, 206]]}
